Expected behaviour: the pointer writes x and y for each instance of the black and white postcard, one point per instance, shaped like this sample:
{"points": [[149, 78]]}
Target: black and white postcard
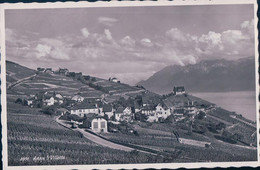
{"points": [[129, 84]]}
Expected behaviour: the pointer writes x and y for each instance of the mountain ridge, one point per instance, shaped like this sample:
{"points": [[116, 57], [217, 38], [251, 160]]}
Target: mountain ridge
{"points": [[218, 75]]}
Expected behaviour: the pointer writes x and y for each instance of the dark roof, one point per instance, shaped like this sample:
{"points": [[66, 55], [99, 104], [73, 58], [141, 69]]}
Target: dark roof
{"points": [[107, 108], [84, 106], [89, 117], [168, 103], [179, 111], [145, 99], [120, 109], [62, 109], [137, 105], [178, 88], [47, 96], [148, 108]]}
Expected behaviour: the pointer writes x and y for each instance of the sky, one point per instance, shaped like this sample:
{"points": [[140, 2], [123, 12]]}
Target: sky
{"points": [[130, 43]]}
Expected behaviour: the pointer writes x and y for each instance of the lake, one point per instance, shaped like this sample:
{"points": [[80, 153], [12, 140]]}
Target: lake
{"points": [[241, 102]]}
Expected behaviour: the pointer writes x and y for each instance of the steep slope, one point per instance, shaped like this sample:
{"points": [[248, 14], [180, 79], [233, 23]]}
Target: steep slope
{"points": [[23, 80], [206, 76], [15, 72]]}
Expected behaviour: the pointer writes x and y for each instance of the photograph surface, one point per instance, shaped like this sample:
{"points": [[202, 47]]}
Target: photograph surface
{"points": [[131, 84]]}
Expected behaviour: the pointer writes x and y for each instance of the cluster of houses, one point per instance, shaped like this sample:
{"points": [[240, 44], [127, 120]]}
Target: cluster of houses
{"points": [[99, 110], [153, 111], [46, 99]]}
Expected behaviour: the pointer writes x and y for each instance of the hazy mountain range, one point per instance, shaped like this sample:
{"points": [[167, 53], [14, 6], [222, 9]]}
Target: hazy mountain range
{"points": [[207, 76]]}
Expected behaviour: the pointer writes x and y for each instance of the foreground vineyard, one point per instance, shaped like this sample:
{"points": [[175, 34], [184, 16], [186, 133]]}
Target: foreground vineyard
{"points": [[34, 138]]}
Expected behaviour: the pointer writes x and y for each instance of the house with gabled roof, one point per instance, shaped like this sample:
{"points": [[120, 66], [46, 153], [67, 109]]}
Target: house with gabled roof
{"points": [[83, 108], [77, 98], [178, 90], [114, 79], [48, 100], [123, 114], [148, 110], [190, 108], [95, 122], [162, 110]]}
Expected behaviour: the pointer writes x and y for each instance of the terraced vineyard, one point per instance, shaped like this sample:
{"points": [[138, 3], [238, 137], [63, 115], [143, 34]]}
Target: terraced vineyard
{"points": [[36, 139], [159, 136]]}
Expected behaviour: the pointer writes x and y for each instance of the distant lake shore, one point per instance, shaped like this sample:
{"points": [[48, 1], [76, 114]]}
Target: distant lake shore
{"points": [[241, 102]]}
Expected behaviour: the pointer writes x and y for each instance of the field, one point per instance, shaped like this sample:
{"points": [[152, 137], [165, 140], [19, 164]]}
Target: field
{"points": [[159, 136], [36, 139]]}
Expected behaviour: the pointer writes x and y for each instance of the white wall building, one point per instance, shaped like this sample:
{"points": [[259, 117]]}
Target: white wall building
{"points": [[99, 125], [85, 108]]}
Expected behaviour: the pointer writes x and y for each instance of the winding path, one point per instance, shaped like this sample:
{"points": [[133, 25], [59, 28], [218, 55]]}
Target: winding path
{"points": [[100, 140], [20, 81]]}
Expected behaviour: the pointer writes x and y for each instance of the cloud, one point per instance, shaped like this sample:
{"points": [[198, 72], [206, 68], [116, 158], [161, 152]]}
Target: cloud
{"points": [[107, 21], [229, 44], [127, 41], [146, 42], [9, 34], [85, 32], [43, 50], [106, 54], [108, 34], [176, 35]]}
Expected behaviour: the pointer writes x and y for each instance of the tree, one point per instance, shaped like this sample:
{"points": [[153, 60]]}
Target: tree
{"points": [[72, 74], [19, 101], [161, 119], [220, 126], [112, 118], [50, 110], [87, 77], [75, 117], [201, 115], [106, 117], [93, 79]]}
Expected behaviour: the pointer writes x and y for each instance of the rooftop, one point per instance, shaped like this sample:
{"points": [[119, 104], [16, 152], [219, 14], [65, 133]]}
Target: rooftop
{"points": [[84, 106]]}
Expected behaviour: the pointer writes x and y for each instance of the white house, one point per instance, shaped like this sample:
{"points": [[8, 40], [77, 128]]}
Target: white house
{"points": [[178, 90], [123, 114], [162, 111], [86, 108], [59, 96], [99, 124], [49, 101], [77, 98], [152, 118], [113, 79], [148, 110], [30, 101], [190, 108]]}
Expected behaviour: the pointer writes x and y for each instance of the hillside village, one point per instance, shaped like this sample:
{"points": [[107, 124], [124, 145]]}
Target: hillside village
{"points": [[111, 110]]}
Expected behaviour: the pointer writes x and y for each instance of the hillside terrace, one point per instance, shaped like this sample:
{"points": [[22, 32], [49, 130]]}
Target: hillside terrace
{"points": [[70, 83]]}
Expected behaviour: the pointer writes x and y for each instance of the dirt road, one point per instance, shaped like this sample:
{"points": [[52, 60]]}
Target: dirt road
{"points": [[95, 138], [20, 81]]}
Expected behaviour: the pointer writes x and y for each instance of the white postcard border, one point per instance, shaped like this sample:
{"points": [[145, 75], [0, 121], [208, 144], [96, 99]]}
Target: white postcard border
{"points": [[5, 6]]}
